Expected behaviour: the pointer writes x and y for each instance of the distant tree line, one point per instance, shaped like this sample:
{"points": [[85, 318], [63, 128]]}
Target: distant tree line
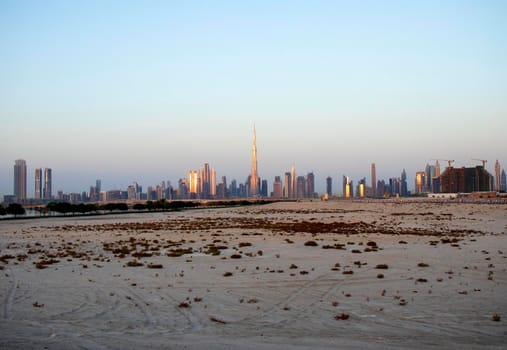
{"points": [[163, 205], [12, 209], [160, 205], [82, 208]]}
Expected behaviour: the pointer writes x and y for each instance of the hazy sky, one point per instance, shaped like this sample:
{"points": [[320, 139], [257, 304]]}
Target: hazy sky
{"points": [[146, 90]]}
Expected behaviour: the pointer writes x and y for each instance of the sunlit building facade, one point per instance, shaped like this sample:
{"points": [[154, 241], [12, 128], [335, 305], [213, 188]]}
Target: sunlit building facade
{"points": [[347, 187], [254, 175], [420, 182]]}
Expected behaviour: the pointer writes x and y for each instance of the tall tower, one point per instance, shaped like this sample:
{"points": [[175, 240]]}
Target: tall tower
{"points": [[20, 179], [38, 183], [329, 186], [497, 176], [192, 181], [213, 183], [294, 181], [254, 176], [373, 180], [47, 183], [287, 191]]}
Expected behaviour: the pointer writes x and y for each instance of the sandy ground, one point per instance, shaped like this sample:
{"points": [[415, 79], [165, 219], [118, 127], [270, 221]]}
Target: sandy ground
{"points": [[286, 275]]}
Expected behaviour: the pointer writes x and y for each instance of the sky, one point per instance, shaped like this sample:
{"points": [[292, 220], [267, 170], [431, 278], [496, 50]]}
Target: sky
{"points": [[146, 90]]}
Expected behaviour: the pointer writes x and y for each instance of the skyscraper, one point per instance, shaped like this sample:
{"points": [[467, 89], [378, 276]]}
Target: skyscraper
{"points": [[404, 185], [206, 181], [420, 182], [347, 187], [503, 181], [437, 169], [361, 188], [294, 181], [47, 183], [254, 176], [277, 187], [430, 174], [287, 189], [38, 183], [329, 186], [497, 176], [373, 180], [20, 179], [213, 183], [193, 179], [264, 188], [300, 187], [310, 185]]}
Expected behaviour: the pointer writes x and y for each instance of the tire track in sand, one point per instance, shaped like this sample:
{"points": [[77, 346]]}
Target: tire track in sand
{"points": [[9, 299]]}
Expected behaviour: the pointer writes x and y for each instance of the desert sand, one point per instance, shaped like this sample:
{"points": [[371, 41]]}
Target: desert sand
{"points": [[302, 275]]}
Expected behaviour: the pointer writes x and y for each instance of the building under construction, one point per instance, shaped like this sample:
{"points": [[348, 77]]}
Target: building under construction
{"points": [[465, 180]]}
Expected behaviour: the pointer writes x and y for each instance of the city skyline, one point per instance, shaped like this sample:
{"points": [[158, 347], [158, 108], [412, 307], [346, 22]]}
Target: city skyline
{"points": [[202, 184], [124, 91]]}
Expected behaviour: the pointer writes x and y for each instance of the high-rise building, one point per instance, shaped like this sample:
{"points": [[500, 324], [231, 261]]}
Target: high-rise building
{"points": [[329, 186], [437, 169], [503, 181], [348, 191], [182, 191], [430, 174], [373, 180], [361, 188], [310, 185], [294, 181], [277, 187], [254, 175], [47, 183], [205, 181], [395, 186], [134, 191], [264, 188], [287, 189], [300, 187], [404, 185], [465, 180], [497, 176], [20, 180], [420, 182], [98, 185], [213, 183], [233, 189], [38, 183], [193, 180]]}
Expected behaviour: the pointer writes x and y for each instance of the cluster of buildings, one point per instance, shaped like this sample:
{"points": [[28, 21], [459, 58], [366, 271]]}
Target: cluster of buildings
{"points": [[460, 180], [43, 183], [395, 186], [202, 184]]}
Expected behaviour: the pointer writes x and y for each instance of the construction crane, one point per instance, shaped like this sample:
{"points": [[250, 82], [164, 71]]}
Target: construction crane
{"points": [[449, 161], [484, 161]]}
